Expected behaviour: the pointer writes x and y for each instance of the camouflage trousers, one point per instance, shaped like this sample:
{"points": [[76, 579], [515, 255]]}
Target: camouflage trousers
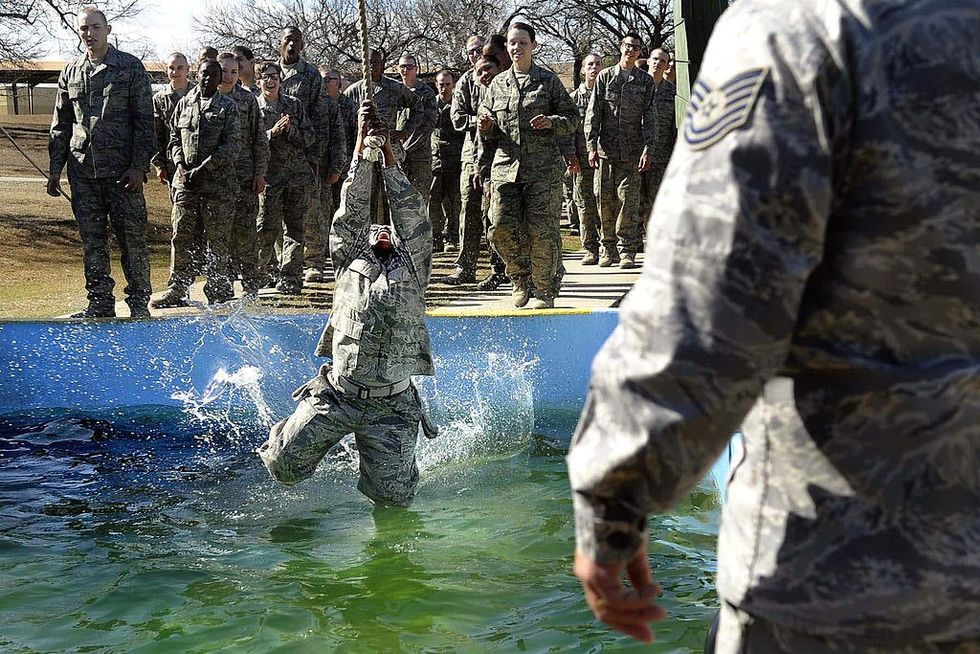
{"points": [[195, 214], [244, 244], [318, 225], [524, 230], [742, 633], [99, 204], [569, 210], [617, 188], [474, 218], [282, 214], [385, 430], [588, 212], [444, 203], [419, 174]]}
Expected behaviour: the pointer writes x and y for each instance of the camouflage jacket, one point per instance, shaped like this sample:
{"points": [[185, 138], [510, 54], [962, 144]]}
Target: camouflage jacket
{"points": [[376, 333], [253, 155], [206, 133], [447, 143], [102, 123], [335, 156], [665, 133], [390, 97], [164, 103], [465, 105], [347, 112], [576, 145], [303, 82], [286, 163], [418, 146], [520, 152], [813, 274], [619, 123]]}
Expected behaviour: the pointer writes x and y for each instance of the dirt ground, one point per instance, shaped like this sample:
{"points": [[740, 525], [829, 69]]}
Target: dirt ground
{"points": [[41, 254]]}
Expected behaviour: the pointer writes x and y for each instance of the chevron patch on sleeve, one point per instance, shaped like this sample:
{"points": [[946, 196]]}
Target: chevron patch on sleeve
{"points": [[716, 111]]}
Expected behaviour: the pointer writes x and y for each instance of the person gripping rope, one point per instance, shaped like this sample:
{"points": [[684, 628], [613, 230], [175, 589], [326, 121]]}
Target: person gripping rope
{"points": [[376, 338]]}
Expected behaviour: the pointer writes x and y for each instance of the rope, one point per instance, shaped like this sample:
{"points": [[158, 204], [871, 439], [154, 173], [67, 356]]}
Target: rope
{"points": [[365, 50], [31, 161]]}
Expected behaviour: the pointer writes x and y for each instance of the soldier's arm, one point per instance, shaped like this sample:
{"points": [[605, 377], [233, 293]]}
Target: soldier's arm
{"points": [[416, 109], [410, 221], [301, 131], [260, 140], [62, 119], [564, 120], [462, 112], [141, 112], [159, 158], [336, 158], [649, 122], [663, 120], [229, 143], [711, 317], [594, 114], [175, 147], [352, 221]]}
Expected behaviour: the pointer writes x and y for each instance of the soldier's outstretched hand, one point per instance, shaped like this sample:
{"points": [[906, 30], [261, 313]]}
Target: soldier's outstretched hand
{"points": [[629, 610]]}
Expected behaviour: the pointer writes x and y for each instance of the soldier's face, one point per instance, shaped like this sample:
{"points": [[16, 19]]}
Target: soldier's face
{"points": [[659, 62], [377, 65], [519, 46], [246, 68], [210, 78], [485, 72], [631, 49], [445, 85], [270, 81], [229, 75], [474, 48], [177, 70], [290, 46], [93, 32], [331, 82], [381, 238], [592, 65], [409, 70]]}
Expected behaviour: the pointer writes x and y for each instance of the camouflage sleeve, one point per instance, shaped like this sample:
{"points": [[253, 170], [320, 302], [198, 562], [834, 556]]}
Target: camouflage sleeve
{"points": [[352, 220], [740, 227], [649, 122], [564, 120], [462, 104], [663, 124], [594, 114], [318, 114], [337, 156], [416, 109], [411, 223], [160, 132], [62, 119], [301, 131], [141, 111], [431, 112], [260, 140], [175, 147], [229, 144]]}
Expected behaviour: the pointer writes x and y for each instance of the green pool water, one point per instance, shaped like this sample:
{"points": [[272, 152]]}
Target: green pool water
{"points": [[142, 530]]}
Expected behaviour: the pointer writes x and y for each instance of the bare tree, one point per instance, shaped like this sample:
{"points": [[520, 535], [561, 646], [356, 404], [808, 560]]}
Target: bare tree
{"points": [[25, 25], [434, 30]]}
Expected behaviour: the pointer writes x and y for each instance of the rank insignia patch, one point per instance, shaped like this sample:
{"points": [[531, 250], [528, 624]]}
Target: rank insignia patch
{"points": [[715, 111]]}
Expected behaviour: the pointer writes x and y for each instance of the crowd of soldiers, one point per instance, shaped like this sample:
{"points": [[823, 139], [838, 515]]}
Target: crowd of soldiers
{"points": [[253, 155]]}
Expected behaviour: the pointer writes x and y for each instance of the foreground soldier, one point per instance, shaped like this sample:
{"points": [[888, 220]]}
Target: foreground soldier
{"points": [[813, 274], [103, 129], [205, 138], [377, 339]]}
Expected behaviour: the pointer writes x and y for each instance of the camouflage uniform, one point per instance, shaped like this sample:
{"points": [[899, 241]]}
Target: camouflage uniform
{"points": [[418, 146], [377, 339], [348, 120], [447, 148], [462, 112], [164, 103], [390, 97], [283, 206], [583, 185], [204, 132], [253, 160], [813, 274], [663, 144], [318, 231], [620, 110], [526, 171], [102, 126]]}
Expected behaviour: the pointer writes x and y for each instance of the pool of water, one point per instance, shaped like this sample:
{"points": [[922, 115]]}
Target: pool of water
{"points": [[140, 530]]}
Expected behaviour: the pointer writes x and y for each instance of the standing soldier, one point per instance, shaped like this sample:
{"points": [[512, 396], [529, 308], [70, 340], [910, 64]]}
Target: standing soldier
{"points": [[164, 103], [447, 146], [418, 146], [463, 110], [621, 108], [282, 208], [522, 115], [204, 142], [102, 128], [583, 180], [347, 112], [665, 133], [246, 68], [250, 169]]}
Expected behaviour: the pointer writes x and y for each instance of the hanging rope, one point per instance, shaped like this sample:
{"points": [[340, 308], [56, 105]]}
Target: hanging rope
{"points": [[374, 142], [31, 161]]}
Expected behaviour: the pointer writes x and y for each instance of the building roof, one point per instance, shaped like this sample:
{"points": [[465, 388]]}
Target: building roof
{"points": [[36, 72]]}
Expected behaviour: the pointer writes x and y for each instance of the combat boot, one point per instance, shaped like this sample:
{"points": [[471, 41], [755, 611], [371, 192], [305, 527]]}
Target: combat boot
{"points": [[172, 298], [608, 258], [491, 282], [590, 259], [520, 295], [459, 276], [94, 311], [628, 261], [452, 247], [541, 303], [314, 275], [139, 312], [288, 286]]}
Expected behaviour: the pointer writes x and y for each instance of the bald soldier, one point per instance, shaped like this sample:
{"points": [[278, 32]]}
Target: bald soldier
{"points": [[164, 103], [812, 275], [102, 128]]}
